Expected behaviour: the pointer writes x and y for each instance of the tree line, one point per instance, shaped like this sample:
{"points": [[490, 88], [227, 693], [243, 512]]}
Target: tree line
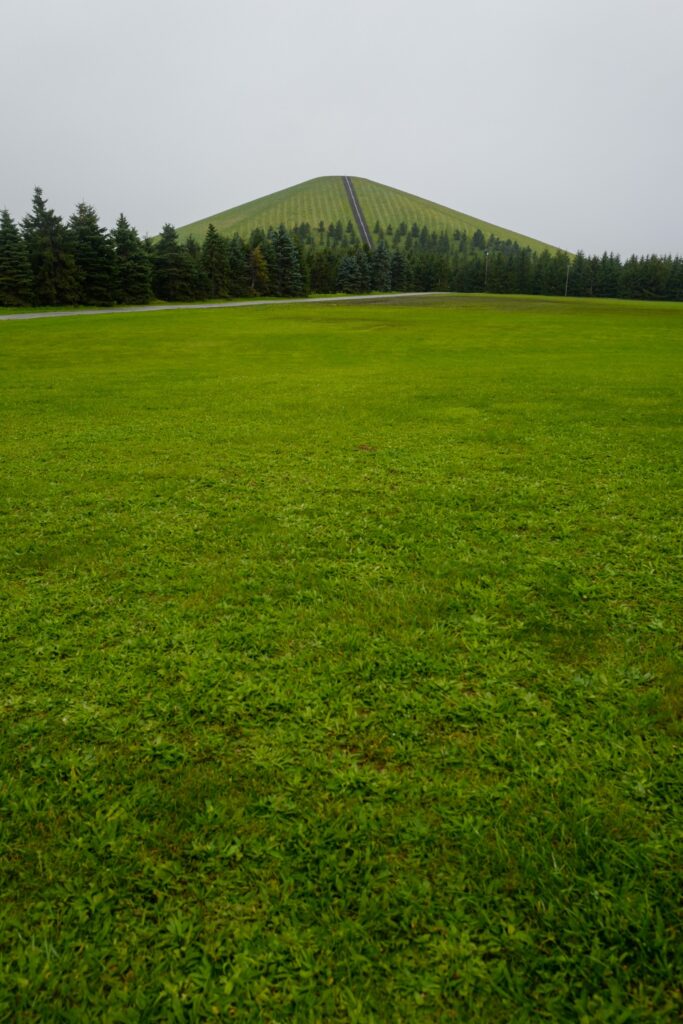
{"points": [[45, 261]]}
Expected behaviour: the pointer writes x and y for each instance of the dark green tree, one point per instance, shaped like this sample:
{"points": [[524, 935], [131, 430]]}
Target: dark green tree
{"points": [[199, 285], [16, 276], [94, 255], [132, 266], [380, 263], [288, 277], [323, 271], [399, 271], [172, 270], [214, 261], [55, 278], [239, 270], [260, 271], [348, 275]]}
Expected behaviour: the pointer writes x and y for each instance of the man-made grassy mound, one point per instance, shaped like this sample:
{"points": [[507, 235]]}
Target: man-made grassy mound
{"points": [[341, 664], [321, 199], [324, 199], [384, 205]]}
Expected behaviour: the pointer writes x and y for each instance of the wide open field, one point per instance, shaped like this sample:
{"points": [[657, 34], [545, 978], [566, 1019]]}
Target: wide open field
{"points": [[342, 667]]}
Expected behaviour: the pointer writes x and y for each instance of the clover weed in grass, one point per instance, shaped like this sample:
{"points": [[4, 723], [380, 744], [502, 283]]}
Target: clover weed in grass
{"points": [[341, 664]]}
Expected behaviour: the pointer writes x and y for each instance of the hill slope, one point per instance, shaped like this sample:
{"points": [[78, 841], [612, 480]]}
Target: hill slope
{"points": [[325, 199], [311, 201]]}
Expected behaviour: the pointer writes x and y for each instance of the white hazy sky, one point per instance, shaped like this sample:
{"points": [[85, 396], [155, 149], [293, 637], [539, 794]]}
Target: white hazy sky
{"points": [[563, 120]]}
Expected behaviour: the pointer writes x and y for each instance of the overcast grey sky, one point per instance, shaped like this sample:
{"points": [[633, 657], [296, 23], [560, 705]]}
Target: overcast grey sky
{"points": [[559, 119]]}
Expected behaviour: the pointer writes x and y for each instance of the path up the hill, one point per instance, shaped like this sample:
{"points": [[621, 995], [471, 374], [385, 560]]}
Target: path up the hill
{"points": [[357, 212]]}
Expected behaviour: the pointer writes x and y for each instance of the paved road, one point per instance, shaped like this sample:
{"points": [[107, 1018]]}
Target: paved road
{"points": [[357, 212], [216, 305]]}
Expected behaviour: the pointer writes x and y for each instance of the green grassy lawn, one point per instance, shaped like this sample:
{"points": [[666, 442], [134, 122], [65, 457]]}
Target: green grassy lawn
{"points": [[391, 206], [341, 664]]}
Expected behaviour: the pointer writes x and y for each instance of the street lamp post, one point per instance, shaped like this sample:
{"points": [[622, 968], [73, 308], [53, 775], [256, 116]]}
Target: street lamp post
{"points": [[486, 268]]}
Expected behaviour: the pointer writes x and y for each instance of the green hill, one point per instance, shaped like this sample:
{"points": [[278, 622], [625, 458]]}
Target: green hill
{"points": [[324, 199]]}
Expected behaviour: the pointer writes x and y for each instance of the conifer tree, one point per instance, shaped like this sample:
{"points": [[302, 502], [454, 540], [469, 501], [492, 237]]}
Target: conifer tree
{"points": [[380, 262], [16, 276], [323, 271], [172, 272], [55, 278], [260, 273], [399, 271], [198, 283], [364, 270], [348, 275], [215, 263], [239, 271], [132, 266], [289, 279], [94, 255]]}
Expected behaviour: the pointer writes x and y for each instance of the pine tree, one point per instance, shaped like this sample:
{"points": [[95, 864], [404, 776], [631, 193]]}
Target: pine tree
{"points": [[380, 262], [172, 271], [239, 270], [16, 276], [55, 278], [132, 266], [364, 270], [260, 273], [215, 263], [399, 271], [94, 256], [289, 279], [348, 275], [478, 240], [199, 284], [323, 271]]}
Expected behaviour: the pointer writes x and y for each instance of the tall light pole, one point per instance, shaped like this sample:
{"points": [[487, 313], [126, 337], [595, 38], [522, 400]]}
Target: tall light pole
{"points": [[486, 268]]}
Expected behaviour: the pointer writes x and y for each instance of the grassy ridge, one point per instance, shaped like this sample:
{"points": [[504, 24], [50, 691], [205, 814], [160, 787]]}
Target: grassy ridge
{"points": [[325, 199], [341, 664]]}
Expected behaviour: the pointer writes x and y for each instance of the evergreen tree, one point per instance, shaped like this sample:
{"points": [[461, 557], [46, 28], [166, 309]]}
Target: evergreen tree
{"points": [[348, 275], [94, 256], [16, 276], [172, 271], [55, 278], [399, 271], [478, 240], [579, 276], [239, 271], [288, 280], [214, 260], [132, 266], [323, 271], [199, 284], [380, 260], [260, 272], [364, 270]]}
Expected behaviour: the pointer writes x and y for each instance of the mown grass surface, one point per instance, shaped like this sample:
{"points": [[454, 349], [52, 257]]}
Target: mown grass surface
{"points": [[341, 664], [310, 201], [392, 206]]}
